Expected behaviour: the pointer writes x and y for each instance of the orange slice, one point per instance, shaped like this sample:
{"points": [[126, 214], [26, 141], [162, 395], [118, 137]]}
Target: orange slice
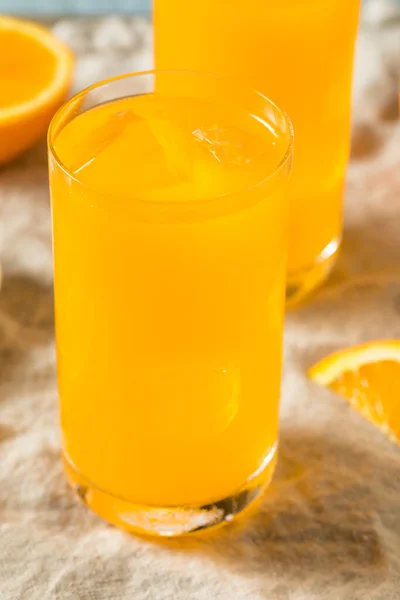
{"points": [[35, 74], [368, 376]]}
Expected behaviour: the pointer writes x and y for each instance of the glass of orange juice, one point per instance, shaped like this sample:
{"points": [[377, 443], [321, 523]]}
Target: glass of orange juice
{"points": [[170, 212], [301, 52]]}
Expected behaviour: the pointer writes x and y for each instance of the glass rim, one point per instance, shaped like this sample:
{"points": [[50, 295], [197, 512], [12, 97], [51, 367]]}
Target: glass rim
{"points": [[51, 136]]}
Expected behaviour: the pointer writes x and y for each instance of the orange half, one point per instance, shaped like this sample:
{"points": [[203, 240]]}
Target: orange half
{"points": [[35, 74], [368, 376]]}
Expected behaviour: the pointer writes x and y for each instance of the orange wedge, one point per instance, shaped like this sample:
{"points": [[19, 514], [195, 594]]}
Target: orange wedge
{"points": [[35, 74], [368, 376]]}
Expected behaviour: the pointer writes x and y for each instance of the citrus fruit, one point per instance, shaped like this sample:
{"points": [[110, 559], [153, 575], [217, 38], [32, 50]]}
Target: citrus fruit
{"points": [[35, 74], [368, 376]]}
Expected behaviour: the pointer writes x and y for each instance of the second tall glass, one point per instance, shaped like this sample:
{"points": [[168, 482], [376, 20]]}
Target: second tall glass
{"points": [[301, 53]]}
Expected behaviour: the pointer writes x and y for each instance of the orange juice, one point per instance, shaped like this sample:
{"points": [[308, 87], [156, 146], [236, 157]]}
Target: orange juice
{"points": [[169, 223], [300, 53]]}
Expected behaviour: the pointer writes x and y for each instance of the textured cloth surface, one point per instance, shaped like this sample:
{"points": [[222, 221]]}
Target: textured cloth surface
{"points": [[330, 525]]}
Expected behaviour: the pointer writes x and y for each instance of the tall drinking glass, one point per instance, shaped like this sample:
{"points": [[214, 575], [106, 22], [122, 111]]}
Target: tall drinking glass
{"points": [[301, 52], [169, 206]]}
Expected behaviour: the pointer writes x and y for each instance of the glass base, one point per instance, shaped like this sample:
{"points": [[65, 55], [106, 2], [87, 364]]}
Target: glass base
{"points": [[301, 284], [171, 521]]}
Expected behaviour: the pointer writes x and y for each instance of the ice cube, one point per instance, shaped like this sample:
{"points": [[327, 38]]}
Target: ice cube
{"points": [[129, 150], [228, 145], [161, 117], [84, 140]]}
